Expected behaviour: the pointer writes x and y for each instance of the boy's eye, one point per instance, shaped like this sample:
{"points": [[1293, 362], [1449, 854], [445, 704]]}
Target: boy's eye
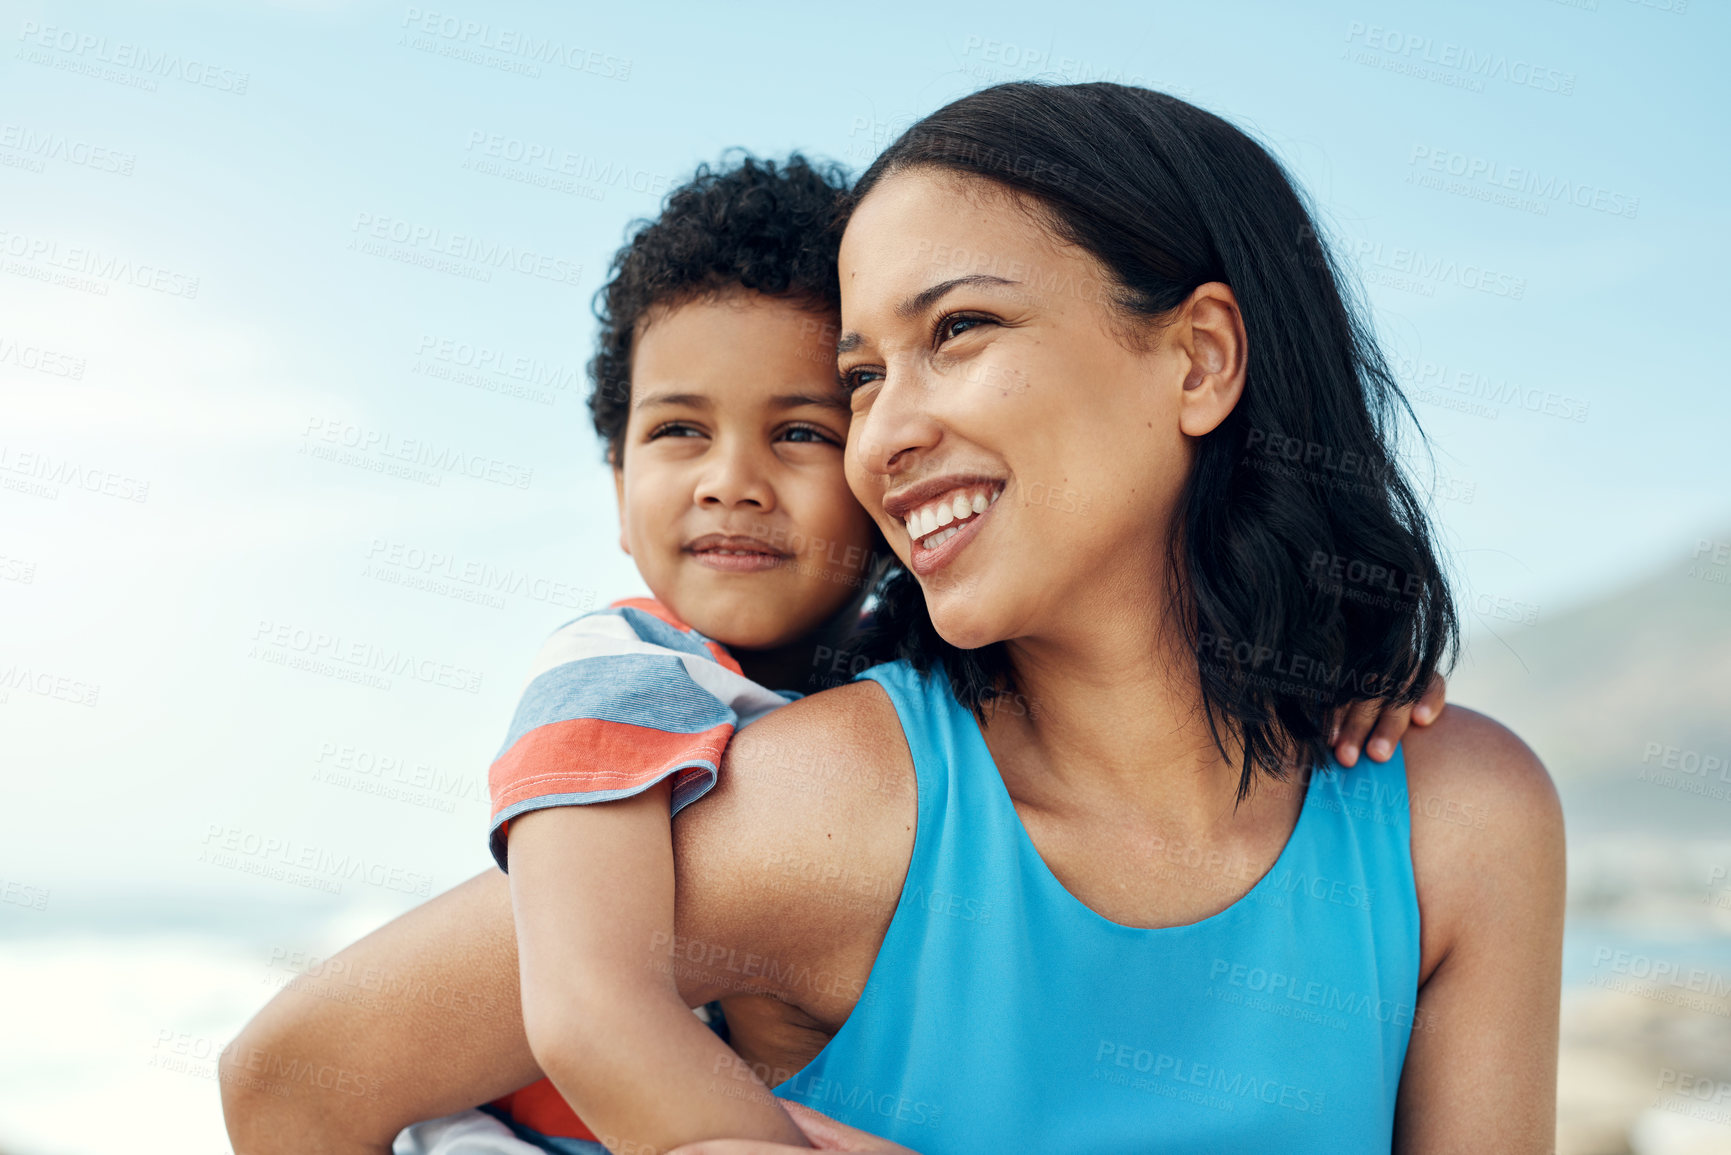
{"points": [[674, 429], [807, 433]]}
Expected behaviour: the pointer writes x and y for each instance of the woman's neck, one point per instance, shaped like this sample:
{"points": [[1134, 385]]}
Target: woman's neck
{"points": [[1113, 712]]}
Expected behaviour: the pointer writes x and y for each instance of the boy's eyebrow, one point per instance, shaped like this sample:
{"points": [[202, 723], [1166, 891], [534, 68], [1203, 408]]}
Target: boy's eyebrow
{"points": [[921, 301], [694, 400], [797, 400], [779, 401]]}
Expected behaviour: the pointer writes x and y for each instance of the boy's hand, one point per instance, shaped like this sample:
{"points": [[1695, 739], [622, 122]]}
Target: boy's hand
{"points": [[825, 1134], [1352, 723]]}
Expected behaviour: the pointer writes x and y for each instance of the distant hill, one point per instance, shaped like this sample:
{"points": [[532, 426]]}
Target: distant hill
{"points": [[1591, 689]]}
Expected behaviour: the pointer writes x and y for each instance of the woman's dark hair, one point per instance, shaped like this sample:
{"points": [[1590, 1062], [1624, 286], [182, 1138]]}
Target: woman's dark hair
{"points": [[754, 224], [1302, 567]]}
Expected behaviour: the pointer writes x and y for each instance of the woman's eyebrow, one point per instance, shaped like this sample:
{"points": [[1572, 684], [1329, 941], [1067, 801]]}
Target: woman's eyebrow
{"points": [[926, 298], [921, 301]]}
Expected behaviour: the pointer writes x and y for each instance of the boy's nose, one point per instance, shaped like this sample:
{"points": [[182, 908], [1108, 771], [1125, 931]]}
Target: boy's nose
{"points": [[733, 480]]}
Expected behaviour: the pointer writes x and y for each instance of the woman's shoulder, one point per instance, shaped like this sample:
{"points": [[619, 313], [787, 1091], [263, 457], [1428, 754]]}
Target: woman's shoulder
{"points": [[1477, 773], [837, 754], [1487, 826], [802, 847], [857, 709]]}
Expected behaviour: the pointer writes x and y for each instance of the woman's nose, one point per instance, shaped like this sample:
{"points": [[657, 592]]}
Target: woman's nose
{"points": [[899, 425]]}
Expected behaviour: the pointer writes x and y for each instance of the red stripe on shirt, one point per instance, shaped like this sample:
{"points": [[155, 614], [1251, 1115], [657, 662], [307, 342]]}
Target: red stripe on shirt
{"points": [[542, 1107], [580, 755]]}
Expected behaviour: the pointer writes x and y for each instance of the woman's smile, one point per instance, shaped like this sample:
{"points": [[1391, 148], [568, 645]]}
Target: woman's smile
{"points": [[941, 517]]}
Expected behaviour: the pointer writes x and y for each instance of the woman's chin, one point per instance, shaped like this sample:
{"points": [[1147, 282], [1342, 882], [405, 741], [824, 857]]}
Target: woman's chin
{"points": [[963, 626]]}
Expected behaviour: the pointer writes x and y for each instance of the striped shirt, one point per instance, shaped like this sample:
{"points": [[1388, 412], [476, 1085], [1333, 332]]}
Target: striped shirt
{"points": [[616, 701]]}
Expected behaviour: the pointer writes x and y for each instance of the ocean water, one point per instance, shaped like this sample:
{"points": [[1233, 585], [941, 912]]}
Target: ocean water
{"points": [[111, 1030]]}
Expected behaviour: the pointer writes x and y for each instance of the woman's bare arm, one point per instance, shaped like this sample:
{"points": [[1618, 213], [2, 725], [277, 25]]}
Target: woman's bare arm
{"points": [[419, 1019], [1488, 857]]}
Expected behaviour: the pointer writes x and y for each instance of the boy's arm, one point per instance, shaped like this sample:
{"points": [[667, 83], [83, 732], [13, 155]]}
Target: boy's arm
{"points": [[623, 722], [593, 892]]}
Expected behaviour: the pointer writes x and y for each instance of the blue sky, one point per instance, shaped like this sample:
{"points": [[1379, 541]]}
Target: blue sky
{"points": [[301, 163]]}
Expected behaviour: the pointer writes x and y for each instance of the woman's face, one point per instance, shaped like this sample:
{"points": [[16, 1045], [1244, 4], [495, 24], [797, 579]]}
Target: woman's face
{"points": [[1036, 438]]}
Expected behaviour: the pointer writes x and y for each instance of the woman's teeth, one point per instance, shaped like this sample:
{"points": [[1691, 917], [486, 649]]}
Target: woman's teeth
{"points": [[956, 507], [938, 539]]}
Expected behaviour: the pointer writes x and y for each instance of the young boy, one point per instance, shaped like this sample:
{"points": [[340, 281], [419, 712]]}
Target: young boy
{"points": [[716, 396]]}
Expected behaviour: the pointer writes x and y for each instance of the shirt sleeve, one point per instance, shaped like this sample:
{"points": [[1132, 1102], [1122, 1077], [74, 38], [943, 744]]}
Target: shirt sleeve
{"points": [[616, 701]]}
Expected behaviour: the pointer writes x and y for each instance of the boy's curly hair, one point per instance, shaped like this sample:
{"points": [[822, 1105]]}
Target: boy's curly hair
{"points": [[759, 225]]}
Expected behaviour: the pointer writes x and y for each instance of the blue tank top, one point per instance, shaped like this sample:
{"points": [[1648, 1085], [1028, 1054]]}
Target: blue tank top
{"points": [[1002, 1014]]}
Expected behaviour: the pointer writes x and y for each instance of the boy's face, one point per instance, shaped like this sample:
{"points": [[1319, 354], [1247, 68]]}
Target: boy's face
{"points": [[732, 498]]}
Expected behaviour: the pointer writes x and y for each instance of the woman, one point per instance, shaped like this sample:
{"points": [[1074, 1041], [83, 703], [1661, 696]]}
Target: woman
{"points": [[1093, 897]]}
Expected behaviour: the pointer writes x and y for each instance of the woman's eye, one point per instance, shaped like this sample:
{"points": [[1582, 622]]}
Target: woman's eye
{"points": [[854, 379], [955, 326]]}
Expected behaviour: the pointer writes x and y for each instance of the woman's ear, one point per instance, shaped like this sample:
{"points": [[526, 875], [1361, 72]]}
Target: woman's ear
{"points": [[1210, 335]]}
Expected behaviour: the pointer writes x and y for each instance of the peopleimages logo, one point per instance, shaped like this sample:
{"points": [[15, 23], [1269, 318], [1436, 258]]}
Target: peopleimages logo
{"points": [[56, 472], [468, 579], [835, 1097], [1466, 62], [432, 241], [283, 643], [517, 366], [40, 360], [1529, 181], [1473, 385], [461, 36], [1324, 996], [385, 447], [1226, 1085], [84, 47], [45, 146], [225, 845], [1640, 966], [85, 261], [1426, 269], [559, 161], [47, 684]]}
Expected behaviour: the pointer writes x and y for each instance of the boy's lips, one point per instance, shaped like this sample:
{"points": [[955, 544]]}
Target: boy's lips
{"points": [[735, 553]]}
